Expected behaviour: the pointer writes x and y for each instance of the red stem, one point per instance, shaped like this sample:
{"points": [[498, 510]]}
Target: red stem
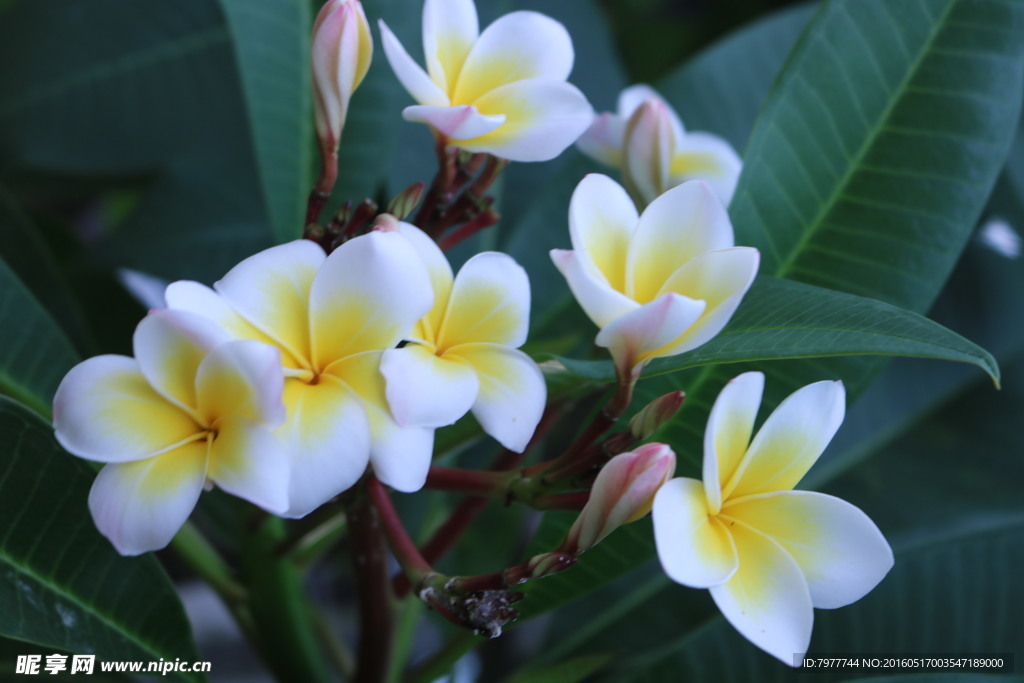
{"points": [[369, 561], [398, 538], [470, 482]]}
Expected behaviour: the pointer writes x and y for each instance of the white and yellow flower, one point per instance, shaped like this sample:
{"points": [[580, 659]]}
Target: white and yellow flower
{"points": [[463, 355], [647, 142], [503, 91], [768, 553], [192, 407], [331, 317], [657, 284]]}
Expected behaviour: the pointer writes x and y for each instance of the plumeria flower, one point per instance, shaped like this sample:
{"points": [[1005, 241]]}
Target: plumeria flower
{"points": [[191, 408], [657, 284], [503, 91], [646, 140], [331, 317], [768, 553], [463, 355]]}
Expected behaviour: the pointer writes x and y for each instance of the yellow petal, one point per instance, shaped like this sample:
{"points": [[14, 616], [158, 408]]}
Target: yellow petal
{"points": [[490, 303]]}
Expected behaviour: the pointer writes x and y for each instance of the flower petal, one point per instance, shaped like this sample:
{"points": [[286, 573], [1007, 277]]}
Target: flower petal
{"points": [[139, 506], [512, 392], [441, 279], [327, 439], [105, 410], [647, 151], [516, 47], [790, 440], [271, 290], [707, 157], [602, 219], [727, 436], [720, 279], [248, 461], [599, 301], [544, 117], [694, 547], [412, 77], [632, 97], [367, 296], [767, 599], [424, 390], [490, 302], [400, 455], [841, 552], [169, 346], [241, 378], [450, 28], [686, 221], [634, 337], [602, 141], [456, 122]]}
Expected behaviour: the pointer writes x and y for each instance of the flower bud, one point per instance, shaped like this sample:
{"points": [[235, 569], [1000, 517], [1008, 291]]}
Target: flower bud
{"points": [[655, 414], [647, 151], [342, 48], [405, 201], [622, 493]]}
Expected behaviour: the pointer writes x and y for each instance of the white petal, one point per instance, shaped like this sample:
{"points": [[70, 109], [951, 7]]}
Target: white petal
{"points": [[169, 346], [516, 47], [105, 410], [328, 442], [544, 117], [248, 461], [441, 277], [490, 302], [424, 390], [602, 141], [271, 290], [767, 599], [677, 226], [632, 97], [647, 151], [599, 301], [791, 440], [450, 28], [638, 335], [841, 552], [720, 279], [730, 425], [456, 122], [185, 295], [241, 378], [707, 157], [412, 77], [367, 296], [140, 505], [400, 455], [512, 392], [602, 219], [695, 548]]}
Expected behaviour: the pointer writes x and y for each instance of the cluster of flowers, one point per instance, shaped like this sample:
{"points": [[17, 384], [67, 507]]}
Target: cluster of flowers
{"points": [[298, 369]]}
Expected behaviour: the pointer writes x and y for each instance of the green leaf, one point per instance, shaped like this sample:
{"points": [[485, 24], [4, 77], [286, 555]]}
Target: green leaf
{"points": [[140, 93], [781, 319], [34, 353], [62, 585], [880, 143], [271, 43]]}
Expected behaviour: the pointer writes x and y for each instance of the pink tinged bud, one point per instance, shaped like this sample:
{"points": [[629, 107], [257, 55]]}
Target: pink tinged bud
{"points": [[622, 493], [648, 148], [341, 50], [655, 415]]}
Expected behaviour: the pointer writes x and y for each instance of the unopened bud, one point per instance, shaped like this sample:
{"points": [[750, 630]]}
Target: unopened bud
{"points": [[647, 151], [341, 50], [655, 415], [385, 223], [623, 492], [402, 205]]}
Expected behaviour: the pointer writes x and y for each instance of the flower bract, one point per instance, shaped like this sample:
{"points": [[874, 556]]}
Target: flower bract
{"points": [[502, 91], [768, 553]]}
